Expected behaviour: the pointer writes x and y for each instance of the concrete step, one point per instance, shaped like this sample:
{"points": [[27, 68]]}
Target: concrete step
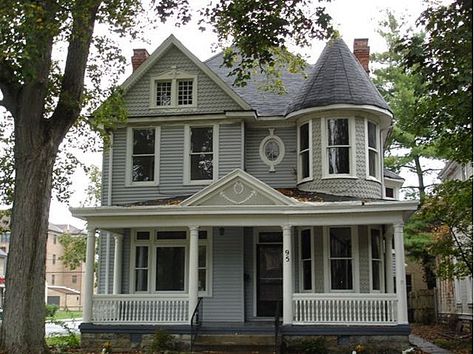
{"points": [[248, 344]]}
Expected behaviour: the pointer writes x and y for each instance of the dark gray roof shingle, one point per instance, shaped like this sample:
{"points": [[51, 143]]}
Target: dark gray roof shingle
{"points": [[392, 175]]}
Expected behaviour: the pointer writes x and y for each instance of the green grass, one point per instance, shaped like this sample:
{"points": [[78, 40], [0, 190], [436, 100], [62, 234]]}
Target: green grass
{"points": [[64, 315]]}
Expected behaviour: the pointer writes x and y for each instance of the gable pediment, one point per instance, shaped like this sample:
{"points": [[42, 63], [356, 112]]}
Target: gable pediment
{"points": [[238, 188]]}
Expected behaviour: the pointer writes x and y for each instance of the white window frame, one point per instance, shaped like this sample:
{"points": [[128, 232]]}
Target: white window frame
{"points": [[300, 260], [378, 169], [381, 260], [187, 150], [129, 161], [173, 76], [299, 168], [355, 260], [352, 149], [153, 244]]}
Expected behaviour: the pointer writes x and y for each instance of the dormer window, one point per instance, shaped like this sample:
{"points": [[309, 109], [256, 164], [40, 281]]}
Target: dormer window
{"points": [[337, 147], [373, 169], [173, 90]]}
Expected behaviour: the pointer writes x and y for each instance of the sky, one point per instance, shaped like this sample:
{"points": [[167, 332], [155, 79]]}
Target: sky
{"points": [[353, 19]]}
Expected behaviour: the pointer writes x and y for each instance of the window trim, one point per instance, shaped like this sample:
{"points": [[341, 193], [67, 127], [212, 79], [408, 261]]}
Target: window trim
{"points": [[128, 162], [300, 260], [355, 259], [173, 76], [381, 260], [310, 151], [352, 149], [153, 244], [271, 136], [378, 169], [186, 154]]}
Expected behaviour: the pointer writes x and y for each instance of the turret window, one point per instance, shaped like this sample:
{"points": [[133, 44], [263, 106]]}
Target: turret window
{"points": [[338, 148], [304, 152], [372, 151]]}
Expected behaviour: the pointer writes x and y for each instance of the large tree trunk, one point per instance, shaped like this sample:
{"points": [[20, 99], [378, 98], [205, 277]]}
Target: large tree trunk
{"points": [[24, 312]]}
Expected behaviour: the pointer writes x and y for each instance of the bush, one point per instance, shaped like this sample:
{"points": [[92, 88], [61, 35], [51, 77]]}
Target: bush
{"points": [[62, 343], [317, 345], [162, 341], [51, 310]]}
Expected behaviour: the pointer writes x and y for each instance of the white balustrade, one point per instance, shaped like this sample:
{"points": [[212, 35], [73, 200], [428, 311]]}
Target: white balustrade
{"points": [[363, 309], [142, 309]]}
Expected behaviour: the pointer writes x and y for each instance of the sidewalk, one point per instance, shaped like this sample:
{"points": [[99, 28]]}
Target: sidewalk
{"points": [[426, 346]]}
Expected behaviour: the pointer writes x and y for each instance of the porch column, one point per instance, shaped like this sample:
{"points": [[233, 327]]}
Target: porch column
{"points": [[117, 263], [400, 274], [89, 275], [389, 261], [193, 269], [287, 275]]}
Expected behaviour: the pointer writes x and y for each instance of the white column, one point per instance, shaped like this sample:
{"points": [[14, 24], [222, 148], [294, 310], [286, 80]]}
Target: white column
{"points": [[118, 263], [389, 261], [107, 262], [400, 274], [287, 275], [193, 269], [89, 275]]}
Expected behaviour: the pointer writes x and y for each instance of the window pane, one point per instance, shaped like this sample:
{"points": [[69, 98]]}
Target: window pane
{"points": [[141, 257], [185, 92], [338, 132], [201, 139], [338, 160], [307, 284], [304, 137], [375, 243], [163, 93], [389, 192], [201, 166], [341, 274], [141, 280], [143, 168], [202, 257], [372, 132], [306, 244], [202, 280], [170, 268], [304, 164], [372, 163], [202, 234], [270, 237], [143, 235], [340, 240], [376, 275], [171, 235], [143, 141]]}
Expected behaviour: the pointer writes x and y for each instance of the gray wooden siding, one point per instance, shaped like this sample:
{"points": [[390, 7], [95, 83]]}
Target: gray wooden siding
{"points": [[126, 244], [364, 259], [171, 164], [285, 172], [249, 257], [105, 177], [210, 97], [103, 282], [227, 301]]}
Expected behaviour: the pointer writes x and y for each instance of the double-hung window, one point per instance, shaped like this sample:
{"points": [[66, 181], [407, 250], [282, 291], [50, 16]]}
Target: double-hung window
{"points": [[306, 260], [340, 258], [372, 151], [200, 154], [338, 148], [142, 156], [173, 90], [376, 259], [141, 264], [304, 152]]}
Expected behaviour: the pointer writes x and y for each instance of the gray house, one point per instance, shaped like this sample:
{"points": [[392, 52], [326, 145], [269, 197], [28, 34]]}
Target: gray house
{"points": [[240, 204]]}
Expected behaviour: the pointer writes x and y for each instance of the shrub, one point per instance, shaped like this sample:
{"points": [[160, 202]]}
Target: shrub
{"points": [[51, 310], [162, 341], [317, 345], [62, 343]]}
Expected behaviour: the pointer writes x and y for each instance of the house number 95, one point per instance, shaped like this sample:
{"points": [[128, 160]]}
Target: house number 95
{"points": [[287, 255]]}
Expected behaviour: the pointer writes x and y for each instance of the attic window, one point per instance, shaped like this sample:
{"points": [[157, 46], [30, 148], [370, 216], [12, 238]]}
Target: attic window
{"points": [[163, 93], [173, 90], [185, 92]]}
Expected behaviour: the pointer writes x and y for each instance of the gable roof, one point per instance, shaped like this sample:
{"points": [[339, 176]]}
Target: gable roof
{"points": [[337, 78], [161, 50]]}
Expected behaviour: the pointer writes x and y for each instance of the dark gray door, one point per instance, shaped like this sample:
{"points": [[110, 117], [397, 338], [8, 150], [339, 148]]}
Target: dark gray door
{"points": [[269, 279]]}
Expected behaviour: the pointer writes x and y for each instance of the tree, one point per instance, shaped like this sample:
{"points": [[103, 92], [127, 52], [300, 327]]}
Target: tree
{"points": [[45, 97], [74, 250], [94, 189]]}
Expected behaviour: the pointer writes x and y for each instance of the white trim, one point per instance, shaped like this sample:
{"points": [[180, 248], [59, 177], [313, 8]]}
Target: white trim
{"points": [[310, 152], [380, 260], [312, 259], [281, 147], [187, 150], [242, 145], [173, 77], [352, 149], [109, 170], [128, 159], [377, 150]]}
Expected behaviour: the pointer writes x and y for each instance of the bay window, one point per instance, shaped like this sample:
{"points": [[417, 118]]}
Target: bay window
{"points": [[338, 150], [372, 151], [304, 167]]}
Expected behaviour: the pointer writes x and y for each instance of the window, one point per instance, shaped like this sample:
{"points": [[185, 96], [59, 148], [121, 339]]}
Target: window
{"points": [[338, 150], [272, 150], [203, 262], [200, 154], [142, 162], [170, 268], [304, 152], [53, 279], [54, 259], [55, 239], [141, 268], [173, 90], [74, 279], [340, 258], [372, 151], [376, 259], [389, 193], [306, 260]]}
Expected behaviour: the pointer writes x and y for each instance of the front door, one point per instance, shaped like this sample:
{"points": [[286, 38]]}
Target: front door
{"points": [[269, 279]]}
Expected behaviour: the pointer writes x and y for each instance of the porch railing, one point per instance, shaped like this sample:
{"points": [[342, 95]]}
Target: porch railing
{"points": [[352, 308], [143, 309]]}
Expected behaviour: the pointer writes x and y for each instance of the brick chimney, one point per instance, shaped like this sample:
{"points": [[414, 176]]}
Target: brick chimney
{"points": [[362, 52], [139, 56]]}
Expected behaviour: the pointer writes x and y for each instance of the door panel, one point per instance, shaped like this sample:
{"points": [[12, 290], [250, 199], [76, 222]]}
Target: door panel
{"points": [[269, 279]]}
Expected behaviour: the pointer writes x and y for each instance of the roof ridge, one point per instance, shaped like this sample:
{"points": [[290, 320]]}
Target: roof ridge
{"points": [[345, 73]]}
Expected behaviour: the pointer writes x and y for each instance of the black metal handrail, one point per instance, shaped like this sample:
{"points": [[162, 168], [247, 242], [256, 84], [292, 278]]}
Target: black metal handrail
{"points": [[277, 328], [196, 322]]}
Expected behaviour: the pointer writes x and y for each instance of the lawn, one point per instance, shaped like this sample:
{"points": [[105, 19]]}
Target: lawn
{"points": [[65, 315]]}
